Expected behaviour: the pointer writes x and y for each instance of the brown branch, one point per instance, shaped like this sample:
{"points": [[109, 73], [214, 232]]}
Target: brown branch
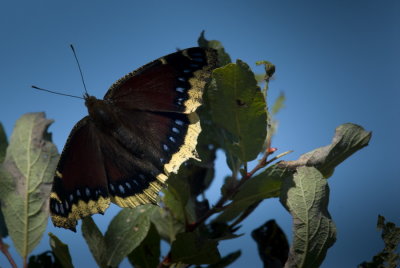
{"points": [[4, 249]]}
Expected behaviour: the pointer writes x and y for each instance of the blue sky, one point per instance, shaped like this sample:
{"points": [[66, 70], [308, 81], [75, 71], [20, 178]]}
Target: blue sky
{"points": [[337, 62]]}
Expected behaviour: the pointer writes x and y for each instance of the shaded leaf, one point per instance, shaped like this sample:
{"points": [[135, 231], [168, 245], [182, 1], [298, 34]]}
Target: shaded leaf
{"points": [[306, 195], [388, 257], [60, 251], [226, 260], [147, 254], [3, 143], [266, 184], [3, 227], [229, 184], [272, 243], [223, 57], [125, 232], [95, 240], [190, 248], [348, 139], [3, 149], [208, 141], [201, 207], [176, 198], [25, 181], [220, 231], [198, 176], [44, 260], [239, 107], [167, 226]]}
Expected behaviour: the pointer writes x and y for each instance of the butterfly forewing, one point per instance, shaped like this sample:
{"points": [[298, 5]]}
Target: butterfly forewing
{"points": [[145, 128], [173, 83]]}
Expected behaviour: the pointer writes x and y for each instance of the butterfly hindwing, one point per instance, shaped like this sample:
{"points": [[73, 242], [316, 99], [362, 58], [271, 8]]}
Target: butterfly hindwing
{"points": [[80, 183], [144, 129]]}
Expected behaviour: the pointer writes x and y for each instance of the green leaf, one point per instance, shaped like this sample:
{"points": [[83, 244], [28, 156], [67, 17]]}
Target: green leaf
{"points": [[177, 196], [228, 186], [306, 195], [388, 257], [3, 149], [190, 248], [147, 254], [3, 226], [226, 261], [95, 240], [125, 232], [167, 226], [348, 139], [272, 243], [45, 259], [269, 68], [25, 181], [208, 141], [60, 251], [266, 184], [278, 104], [3, 143], [272, 123], [238, 106], [223, 57]]}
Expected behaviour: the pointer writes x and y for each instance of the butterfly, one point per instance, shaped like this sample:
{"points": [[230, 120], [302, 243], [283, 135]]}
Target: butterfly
{"points": [[143, 129]]}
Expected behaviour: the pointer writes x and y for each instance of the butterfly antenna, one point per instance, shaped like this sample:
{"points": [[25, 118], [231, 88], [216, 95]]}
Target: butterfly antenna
{"points": [[79, 66], [55, 92]]}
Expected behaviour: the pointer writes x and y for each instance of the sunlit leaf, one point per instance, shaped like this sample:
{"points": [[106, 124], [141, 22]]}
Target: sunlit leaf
{"points": [[25, 181], [278, 104], [306, 195], [239, 107]]}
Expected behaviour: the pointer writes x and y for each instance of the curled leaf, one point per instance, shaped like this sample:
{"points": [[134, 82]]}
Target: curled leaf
{"points": [[305, 195], [223, 57], [348, 139]]}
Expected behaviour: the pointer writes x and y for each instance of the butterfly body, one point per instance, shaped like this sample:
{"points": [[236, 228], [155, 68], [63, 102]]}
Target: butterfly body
{"points": [[143, 129]]}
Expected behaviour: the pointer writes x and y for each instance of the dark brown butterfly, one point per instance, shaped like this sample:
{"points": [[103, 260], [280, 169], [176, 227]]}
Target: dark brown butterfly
{"points": [[143, 129]]}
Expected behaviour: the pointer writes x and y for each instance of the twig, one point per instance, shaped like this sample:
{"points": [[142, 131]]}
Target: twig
{"points": [[4, 249], [245, 214], [166, 262]]}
